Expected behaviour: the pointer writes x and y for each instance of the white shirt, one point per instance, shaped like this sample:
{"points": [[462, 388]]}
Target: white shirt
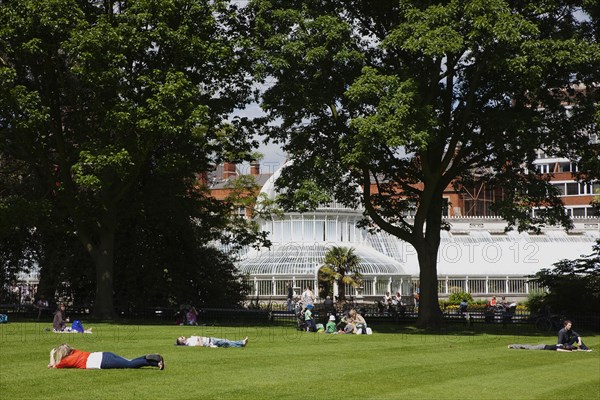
{"points": [[94, 361], [308, 297], [198, 341]]}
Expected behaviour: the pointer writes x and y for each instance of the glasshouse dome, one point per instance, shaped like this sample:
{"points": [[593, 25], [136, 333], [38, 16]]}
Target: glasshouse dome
{"points": [[476, 256], [299, 243]]}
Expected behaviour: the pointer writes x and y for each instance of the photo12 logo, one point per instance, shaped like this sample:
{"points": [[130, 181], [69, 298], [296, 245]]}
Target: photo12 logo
{"points": [[491, 252]]}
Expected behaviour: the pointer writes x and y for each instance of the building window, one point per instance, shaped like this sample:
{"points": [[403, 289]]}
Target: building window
{"points": [[543, 168], [280, 288], [442, 286], [264, 287], [583, 188], [572, 188], [564, 167], [476, 286], [516, 286], [497, 286], [382, 286], [456, 285], [560, 187], [367, 287], [579, 212]]}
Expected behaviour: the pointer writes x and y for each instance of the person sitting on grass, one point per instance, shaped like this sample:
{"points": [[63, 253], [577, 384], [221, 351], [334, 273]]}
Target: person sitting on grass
{"points": [[204, 341], [331, 325], [59, 321], [355, 322], [568, 337], [64, 356]]}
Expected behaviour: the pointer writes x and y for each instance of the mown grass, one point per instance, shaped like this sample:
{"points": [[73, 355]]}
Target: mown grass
{"points": [[281, 363]]}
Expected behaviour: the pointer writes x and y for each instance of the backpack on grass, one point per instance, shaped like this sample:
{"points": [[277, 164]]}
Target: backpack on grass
{"points": [[77, 326]]}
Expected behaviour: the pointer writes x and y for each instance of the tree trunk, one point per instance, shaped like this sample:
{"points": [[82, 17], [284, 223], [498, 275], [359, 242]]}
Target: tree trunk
{"points": [[430, 314], [103, 257], [341, 289]]}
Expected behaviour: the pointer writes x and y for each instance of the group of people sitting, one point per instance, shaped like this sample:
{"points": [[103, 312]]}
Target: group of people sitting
{"points": [[390, 303], [353, 322], [60, 321], [499, 305], [568, 340]]}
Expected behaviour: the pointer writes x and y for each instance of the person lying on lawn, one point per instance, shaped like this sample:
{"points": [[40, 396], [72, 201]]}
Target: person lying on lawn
{"points": [[64, 356], [552, 347], [204, 341]]}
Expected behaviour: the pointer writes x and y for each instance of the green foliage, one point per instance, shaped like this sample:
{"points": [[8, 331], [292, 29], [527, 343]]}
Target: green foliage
{"points": [[573, 285], [108, 110], [457, 297], [536, 302]]}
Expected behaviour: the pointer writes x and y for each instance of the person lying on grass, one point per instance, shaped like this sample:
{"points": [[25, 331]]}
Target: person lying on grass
{"points": [[552, 347], [204, 341], [64, 356]]}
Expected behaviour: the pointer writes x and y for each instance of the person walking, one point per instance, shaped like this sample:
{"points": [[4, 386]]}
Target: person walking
{"points": [[290, 297]]}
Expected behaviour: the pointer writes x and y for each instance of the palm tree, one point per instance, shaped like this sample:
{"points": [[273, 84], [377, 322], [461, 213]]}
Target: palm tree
{"points": [[341, 267]]}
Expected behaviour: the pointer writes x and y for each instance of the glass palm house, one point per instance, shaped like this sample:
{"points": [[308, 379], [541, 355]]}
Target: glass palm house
{"points": [[476, 256], [299, 243]]}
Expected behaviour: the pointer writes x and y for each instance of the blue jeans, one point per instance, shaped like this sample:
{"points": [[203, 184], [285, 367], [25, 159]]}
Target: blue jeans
{"points": [[226, 343], [111, 360], [574, 340]]}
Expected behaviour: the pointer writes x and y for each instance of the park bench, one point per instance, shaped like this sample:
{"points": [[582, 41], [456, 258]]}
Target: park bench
{"points": [[280, 315], [490, 317]]}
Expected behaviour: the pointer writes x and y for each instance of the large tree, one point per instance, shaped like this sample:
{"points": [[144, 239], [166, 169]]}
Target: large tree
{"points": [[100, 100], [412, 97]]}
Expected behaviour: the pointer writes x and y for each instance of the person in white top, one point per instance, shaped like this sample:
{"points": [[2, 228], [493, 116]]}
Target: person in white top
{"points": [[308, 297], [205, 341]]}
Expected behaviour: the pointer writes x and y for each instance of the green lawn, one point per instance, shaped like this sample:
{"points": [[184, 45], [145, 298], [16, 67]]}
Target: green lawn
{"points": [[281, 363]]}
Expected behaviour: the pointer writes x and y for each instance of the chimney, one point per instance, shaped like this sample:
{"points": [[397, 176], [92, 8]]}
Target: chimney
{"points": [[254, 168], [229, 170]]}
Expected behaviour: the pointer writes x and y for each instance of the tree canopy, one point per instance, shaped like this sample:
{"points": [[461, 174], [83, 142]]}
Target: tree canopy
{"points": [[413, 97], [108, 110], [573, 285]]}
